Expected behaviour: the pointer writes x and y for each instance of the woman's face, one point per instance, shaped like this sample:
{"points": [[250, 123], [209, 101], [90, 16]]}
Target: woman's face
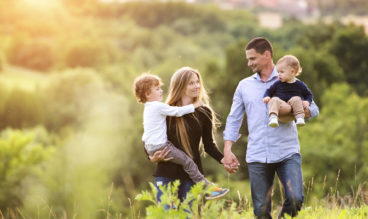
{"points": [[193, 87]]}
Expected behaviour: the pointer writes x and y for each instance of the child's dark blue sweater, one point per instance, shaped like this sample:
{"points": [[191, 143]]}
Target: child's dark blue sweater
{"points": [[285, 91]]}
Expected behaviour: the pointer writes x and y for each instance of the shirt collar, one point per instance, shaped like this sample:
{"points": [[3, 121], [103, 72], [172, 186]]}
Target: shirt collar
{"points": [[273, 75]]}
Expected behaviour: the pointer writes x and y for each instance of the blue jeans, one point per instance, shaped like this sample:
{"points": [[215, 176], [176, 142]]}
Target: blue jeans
{"points": [[261, 180], [184, 187]]}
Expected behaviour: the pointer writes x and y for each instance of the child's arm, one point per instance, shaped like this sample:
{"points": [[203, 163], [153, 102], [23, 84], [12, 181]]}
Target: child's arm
{"points": [[177, 111], [266, 99], [271, 91]]}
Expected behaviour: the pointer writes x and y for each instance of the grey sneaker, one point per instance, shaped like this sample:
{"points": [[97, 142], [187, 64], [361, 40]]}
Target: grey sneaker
{"points": [[300, 122], [273, 122]]}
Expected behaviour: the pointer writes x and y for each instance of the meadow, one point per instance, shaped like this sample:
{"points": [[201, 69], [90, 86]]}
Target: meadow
{"points": [[71, 128]]}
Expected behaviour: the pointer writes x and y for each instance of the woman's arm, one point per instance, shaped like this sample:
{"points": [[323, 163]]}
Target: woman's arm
{"points": [[210, 146]]}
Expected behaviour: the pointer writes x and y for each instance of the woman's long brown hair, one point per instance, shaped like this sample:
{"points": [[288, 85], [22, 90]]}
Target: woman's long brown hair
{"points": [[179, 82]]}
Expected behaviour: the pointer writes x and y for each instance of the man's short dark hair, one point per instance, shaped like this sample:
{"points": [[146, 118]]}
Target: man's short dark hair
{"points": [[260, 44]]}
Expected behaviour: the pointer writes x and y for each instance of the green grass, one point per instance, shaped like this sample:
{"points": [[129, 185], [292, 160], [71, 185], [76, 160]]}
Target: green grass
{"points": [[332, 206]]}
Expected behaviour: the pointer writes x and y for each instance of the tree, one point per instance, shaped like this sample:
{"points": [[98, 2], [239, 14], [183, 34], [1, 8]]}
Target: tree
{"points": [[337, 140], [349, 45], [22, 109], [19, 155]]}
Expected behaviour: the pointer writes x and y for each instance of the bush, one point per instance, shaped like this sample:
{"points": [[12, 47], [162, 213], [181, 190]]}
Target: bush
{"points": [[68, 97], [194, 206], [19, 155], [21, 109]]}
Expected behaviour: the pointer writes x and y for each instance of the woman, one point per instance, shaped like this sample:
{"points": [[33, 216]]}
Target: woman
{"points": [[186, 132]]}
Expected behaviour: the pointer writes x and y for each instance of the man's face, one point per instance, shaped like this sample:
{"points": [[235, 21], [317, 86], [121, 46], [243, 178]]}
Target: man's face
{"points": [[256, 61]]}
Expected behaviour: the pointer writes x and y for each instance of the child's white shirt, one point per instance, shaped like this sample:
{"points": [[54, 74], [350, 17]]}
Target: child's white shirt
{"points": [[154, 120]]}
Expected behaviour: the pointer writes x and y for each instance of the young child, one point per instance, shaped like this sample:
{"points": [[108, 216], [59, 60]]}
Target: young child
{"points": [[288, 89], [148, 91]]}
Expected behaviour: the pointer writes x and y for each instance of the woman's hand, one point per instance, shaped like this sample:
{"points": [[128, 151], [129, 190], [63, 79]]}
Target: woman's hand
{"points": [[230, 162], [160, 156]]}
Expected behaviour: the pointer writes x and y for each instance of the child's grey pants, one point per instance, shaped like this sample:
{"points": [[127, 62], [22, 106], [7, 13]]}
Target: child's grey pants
{"points": [[181, 158]]}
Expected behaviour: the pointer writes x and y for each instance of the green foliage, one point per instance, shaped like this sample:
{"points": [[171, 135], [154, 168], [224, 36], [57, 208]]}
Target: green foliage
{"points": [[194, 206], [93, 114], [331, 213], [74, 91], [21, 109], [348, 45], [20, 154], [339, 151]]}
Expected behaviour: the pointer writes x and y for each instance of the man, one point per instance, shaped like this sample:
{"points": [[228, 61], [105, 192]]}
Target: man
{"points": [[270, 150]]}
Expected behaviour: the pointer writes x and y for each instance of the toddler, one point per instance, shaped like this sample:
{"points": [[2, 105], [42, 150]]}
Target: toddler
{"points": [[288, 89]]}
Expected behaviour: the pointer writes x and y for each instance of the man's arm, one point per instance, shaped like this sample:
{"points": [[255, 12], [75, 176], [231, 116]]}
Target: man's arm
{"points": [[231, 133], [235, 117], [307, 94], [311, 111]]}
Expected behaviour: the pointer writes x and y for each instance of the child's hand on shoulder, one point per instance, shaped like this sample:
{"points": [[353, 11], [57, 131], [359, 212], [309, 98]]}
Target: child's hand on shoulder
{"points": [[266, 99], [198, 104]]}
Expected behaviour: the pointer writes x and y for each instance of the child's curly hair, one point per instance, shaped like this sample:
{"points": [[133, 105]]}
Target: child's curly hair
{"points": [[143, 85]]}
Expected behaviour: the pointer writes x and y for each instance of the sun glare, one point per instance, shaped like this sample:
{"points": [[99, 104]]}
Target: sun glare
{"points": [[40, 3]]}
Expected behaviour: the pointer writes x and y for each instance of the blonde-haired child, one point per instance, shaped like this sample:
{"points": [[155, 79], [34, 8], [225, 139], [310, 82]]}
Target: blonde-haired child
{"points": [[288, 89]]}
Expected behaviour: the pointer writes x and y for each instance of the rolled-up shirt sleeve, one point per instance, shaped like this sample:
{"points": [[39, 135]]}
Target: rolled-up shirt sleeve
{"points": [[235, 117], [314, 110]]}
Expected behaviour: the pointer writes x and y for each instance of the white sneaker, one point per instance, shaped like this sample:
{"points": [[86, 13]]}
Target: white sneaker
{"points": [[273, 122], [300, 122]]}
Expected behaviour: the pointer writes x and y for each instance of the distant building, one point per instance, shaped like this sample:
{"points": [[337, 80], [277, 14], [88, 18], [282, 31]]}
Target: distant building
{"points": [[297, 8]]}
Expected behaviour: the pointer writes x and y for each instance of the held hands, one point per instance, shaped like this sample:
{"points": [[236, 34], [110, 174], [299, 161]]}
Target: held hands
{"points": [[230, 162], [160, 156], [198, 104], [266, 99]]}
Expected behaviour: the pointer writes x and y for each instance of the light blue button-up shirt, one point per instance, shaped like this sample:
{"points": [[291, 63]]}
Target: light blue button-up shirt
{"points": [[265, 144]]}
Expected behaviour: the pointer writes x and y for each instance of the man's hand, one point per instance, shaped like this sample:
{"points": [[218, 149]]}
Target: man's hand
{"points": [[305, 104], [266, 99], [306, 109], [231, 168], [230, 161], [160, 156]]}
